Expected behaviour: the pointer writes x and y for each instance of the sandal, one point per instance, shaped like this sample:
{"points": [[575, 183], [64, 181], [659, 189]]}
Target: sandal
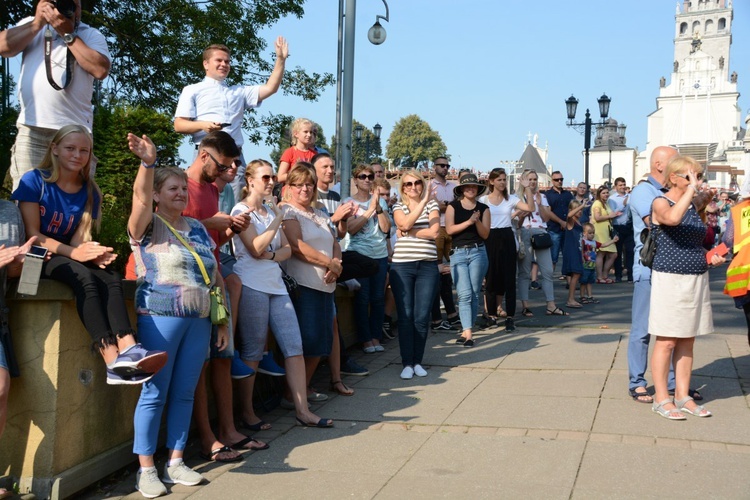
{"points": [[674, 414], [557, 312], [240, 445], [607, 281], [641, 397], [501, 313], [527, 312], [261, 425], [575, 305], [699, 410], [592, 300], [584, 300], [214, 455], [346, 391]]}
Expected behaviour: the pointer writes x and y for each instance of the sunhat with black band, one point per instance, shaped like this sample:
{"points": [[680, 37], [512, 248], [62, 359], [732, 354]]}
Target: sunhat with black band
{"points": [[469, 179]]}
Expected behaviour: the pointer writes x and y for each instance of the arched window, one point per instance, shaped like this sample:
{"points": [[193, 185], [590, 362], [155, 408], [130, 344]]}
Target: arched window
{"points": [[683, 28], [709, 26], [696, 26], [722, 24]]}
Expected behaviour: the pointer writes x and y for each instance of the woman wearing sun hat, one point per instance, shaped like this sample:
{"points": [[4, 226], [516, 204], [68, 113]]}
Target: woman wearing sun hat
{"points": [[468, 222]]}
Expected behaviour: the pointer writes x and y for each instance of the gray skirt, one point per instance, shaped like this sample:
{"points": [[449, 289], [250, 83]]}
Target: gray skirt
{"points": [[680, 305]]}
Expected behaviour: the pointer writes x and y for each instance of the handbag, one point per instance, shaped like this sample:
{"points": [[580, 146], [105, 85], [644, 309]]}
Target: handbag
{"points": [[612, 232], [219, 311], [289, 282], [648, 250], [541, 241]]}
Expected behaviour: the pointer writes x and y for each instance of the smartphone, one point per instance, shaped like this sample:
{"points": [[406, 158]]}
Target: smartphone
{"points": [[225, 125], [32, 270], [720, 250]]}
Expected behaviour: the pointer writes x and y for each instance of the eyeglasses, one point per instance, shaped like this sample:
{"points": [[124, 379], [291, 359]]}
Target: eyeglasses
{"points": [[307, 185], [369, 177], [698, 176], [266, 178], [410, 184], [443, 165], [219, 166], [558, 180]]}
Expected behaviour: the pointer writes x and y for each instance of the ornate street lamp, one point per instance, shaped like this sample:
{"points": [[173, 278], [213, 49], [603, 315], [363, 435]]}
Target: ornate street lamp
{"points": [[571, 104]]}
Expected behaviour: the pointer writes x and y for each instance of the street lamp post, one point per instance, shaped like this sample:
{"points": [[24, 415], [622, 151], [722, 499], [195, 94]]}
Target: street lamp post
{"points": [[609, 170], [377, 129], [571, 103]]}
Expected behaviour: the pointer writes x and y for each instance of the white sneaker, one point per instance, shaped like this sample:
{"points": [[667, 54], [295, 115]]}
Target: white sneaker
{"points": [[407, 373], [379, 348], [419, 371], [147, 482], [181, 474], [369, 349]]}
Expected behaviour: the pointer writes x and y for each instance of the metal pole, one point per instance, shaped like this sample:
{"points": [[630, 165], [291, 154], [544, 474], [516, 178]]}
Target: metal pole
{"points": [[587, 146], [345, 140], [339, 76], [609, 143]]}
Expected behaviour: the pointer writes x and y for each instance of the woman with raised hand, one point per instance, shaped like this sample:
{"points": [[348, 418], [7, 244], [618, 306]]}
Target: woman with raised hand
{"points": [[367, 232], [61, 205], [501, 246], [602, 215], [414, 272], [172, 254], [265, 301], [468, 221], [315, 264], [680, 295]]}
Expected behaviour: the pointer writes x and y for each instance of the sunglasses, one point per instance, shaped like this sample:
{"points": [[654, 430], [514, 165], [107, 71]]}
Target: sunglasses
{"points": [[266, 178], [410, 184], [369, 177], [558, 180], [687, 176], [219, 166], [443, 165]]}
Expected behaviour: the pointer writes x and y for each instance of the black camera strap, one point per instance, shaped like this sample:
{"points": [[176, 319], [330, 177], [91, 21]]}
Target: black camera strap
{"points": [[48, 62]]}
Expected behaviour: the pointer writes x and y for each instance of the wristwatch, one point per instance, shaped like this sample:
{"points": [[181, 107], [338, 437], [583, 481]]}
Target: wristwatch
{"points": [[69, 38]]}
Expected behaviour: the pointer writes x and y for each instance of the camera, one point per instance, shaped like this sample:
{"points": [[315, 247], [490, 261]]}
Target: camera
{"points": [[66, 7]]}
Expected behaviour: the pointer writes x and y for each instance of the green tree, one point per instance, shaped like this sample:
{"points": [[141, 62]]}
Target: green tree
{"points": [[117, 165], [413, 142], [157, 46]]}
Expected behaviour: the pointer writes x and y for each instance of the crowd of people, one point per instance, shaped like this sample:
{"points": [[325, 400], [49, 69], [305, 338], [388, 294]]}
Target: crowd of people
{"points": [[276, 244]]}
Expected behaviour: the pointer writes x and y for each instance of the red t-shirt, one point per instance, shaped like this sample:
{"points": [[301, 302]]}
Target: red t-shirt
{"points": [[203, 203], [293, 155]]}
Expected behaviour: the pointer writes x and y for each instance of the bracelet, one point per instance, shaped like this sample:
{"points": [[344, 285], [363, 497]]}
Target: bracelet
{"points": [[143, 164], [273, 255]]}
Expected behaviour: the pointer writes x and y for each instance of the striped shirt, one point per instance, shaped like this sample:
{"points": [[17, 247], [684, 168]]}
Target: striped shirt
{"points": [[409, 248]]}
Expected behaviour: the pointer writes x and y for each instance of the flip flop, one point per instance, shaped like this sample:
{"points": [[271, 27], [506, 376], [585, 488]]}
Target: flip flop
{"points": [[240, 445], [214, 453], [574, 306], [557, 312], [637, 395], [323, 423], [257, 427]]}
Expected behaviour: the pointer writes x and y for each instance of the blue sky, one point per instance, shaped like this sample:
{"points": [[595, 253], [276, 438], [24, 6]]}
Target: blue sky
{"points": [[486, 73]]}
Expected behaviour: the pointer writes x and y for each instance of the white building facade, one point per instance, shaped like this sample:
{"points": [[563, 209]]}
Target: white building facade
{"points": [[698, 109]]}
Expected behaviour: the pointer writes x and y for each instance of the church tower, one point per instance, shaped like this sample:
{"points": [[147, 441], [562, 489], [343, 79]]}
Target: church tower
{"points": [[698, 109]]}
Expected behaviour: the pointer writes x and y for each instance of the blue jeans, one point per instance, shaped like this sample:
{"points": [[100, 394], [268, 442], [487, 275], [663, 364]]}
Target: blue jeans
{"points": [[369, 303], [639, 337], [415, 285], [558, 239], [185, 340], [468, 267]]}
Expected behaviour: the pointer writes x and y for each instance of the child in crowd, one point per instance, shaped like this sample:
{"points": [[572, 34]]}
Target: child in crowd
{"points": [[589, 248], [572, 250], [304, 135]]}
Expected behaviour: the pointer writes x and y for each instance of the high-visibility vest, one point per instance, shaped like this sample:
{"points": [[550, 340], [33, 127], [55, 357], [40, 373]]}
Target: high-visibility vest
{"points": [[738, 274]]}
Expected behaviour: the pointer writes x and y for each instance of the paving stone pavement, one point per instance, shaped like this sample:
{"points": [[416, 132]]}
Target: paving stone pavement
{"points": [[543, 411]]}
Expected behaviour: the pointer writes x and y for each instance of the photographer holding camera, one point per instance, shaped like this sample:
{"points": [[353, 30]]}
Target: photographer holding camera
{"points": [[54, 90]]}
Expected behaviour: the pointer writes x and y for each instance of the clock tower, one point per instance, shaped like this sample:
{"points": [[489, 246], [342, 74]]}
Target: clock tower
{"points": [[697, 108]]}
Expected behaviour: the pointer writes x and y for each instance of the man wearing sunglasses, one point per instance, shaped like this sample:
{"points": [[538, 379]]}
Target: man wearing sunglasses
{"points": [[217, 155], [558, 198], [442, 190], [212, 104]]}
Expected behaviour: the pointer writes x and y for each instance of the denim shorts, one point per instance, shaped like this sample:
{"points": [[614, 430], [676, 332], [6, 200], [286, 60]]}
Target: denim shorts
{"points": [[588, 277]]}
